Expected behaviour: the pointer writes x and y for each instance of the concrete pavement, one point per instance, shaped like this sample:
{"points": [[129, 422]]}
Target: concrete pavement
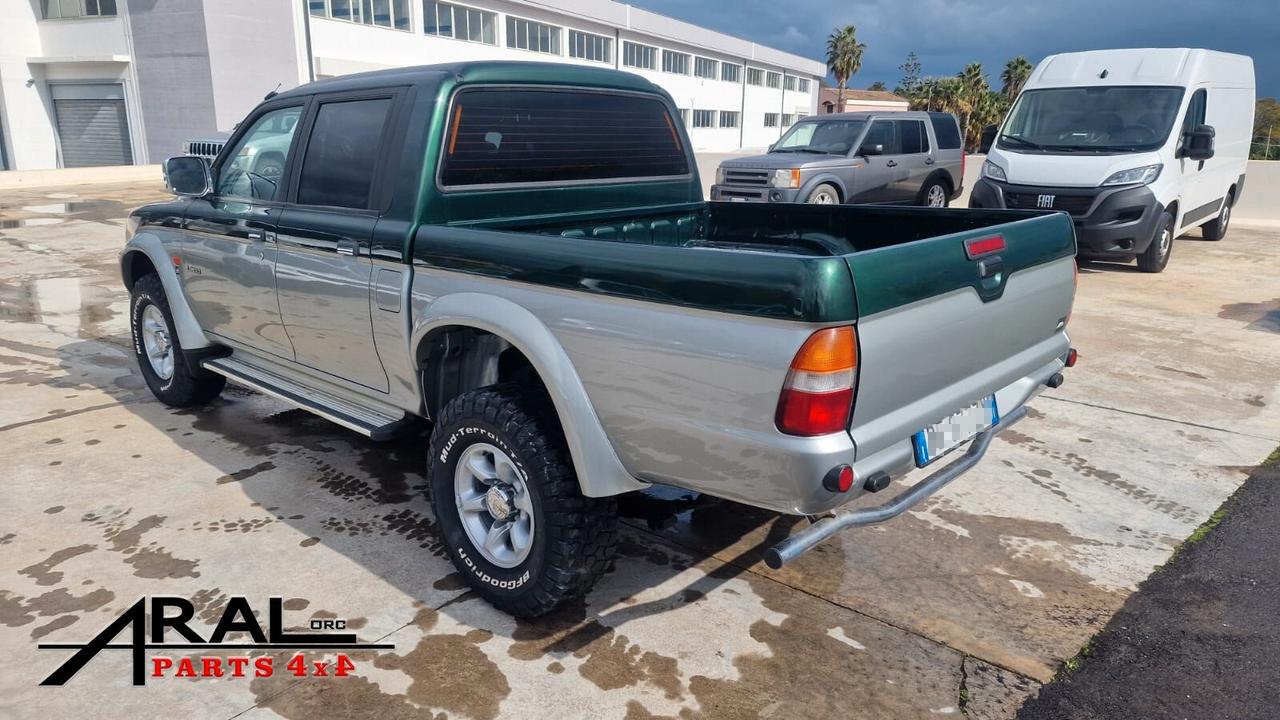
{"points": [[961, 608]]}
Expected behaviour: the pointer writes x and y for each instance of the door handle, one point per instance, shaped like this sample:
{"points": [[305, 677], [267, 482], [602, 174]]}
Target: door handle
{"points": [[891, 163], [254, 236], [347, 247], [928, 161]]}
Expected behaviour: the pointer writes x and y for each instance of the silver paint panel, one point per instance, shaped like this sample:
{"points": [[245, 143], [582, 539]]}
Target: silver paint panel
{"points": [[159, 244]]}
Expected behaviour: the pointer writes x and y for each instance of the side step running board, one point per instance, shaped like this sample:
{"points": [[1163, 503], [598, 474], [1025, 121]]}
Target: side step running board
{"points": [[791, 548], [372, 423]]}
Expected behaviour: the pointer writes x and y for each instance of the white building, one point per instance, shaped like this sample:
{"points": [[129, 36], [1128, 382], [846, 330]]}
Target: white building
{"points": [[97, 82]]}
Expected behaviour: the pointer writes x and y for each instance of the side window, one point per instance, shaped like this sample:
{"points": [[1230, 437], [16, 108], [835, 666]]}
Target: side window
{"points": [[342, 153], [254, 168], [1195, 111], [946, 131], [883, 133], [913, 137], [535, 136]]}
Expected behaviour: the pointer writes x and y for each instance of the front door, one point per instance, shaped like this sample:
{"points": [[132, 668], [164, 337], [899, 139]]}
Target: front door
{"points": [[878, 181], [1198, 195], [228, 248], [323, 270]]}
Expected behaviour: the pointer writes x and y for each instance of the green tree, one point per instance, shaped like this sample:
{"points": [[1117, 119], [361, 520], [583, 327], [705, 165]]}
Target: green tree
{"points": [[877, 85], [909, 86], [844, 57], [1015, 75], [1266, 130]]}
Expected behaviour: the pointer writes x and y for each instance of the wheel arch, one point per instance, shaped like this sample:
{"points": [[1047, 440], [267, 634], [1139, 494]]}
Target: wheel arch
{"points": [[145, 252], [497, 340], [823, 179]]}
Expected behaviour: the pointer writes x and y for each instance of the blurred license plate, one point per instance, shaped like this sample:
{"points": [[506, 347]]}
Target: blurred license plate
{"points": [[943, 436]]}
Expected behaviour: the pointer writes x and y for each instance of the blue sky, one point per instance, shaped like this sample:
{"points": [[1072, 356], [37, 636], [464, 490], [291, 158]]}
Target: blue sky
{"points": [[946, 34]]}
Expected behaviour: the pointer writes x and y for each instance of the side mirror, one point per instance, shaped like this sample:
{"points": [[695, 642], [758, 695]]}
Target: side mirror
{"points": [[187, 176], [1198, 144], [988, 138], [869, 150]]}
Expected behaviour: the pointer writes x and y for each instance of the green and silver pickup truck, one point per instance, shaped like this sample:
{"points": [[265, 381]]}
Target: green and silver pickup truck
{"points": [[519, 256]]}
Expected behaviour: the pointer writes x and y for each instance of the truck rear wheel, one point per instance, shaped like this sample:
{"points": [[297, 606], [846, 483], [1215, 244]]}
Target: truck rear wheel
{"points": [[507, 501], [159, 352], [1156, 256]]}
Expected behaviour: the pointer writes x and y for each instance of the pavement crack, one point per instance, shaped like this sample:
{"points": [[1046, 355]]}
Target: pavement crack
{"points": [[1149, 416], [962, 693]]}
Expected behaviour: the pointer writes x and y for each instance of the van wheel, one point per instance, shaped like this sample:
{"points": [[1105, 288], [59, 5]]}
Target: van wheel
{"points": [[824, 194], [507, 501], [159, 352], [1156, 256], [934, 194], [1217, 229]]}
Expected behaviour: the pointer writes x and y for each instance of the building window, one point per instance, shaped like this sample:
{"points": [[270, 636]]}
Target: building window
{"points": [[788, 119], [54, 9], [704, 118], [639, 56], [771, 119], [789, 82], [458, 22], [728, 118], [730, 72], [704, 68], [773, 80], [590, 47], [804, 85], [383, 13], [535, 36], [755, 76], [684, 116], [674, 62]]}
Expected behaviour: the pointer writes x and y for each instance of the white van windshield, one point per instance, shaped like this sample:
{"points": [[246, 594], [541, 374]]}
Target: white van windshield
{"points": [[821, 136], [1091, 120]]}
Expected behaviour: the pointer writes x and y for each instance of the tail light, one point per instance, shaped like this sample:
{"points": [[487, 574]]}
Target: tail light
{"points": [[817, 396], [964, 156]]}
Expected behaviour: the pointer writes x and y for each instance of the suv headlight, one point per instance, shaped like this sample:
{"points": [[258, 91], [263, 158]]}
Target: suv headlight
{"points": [[785, 178], [993, 171], [1144, 175], [720, 175]]}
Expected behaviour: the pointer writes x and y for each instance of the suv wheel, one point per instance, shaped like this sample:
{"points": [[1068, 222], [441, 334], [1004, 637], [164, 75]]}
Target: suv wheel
{"points": [[1217, 229], [159, 352], [507, 501], [824, 194], [934, 194], [1156, 256]]}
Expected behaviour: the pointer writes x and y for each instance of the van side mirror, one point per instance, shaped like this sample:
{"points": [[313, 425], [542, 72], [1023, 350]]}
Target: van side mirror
{"points": [[1198, 144], [988, 138], [869, 150], [187, 176]]}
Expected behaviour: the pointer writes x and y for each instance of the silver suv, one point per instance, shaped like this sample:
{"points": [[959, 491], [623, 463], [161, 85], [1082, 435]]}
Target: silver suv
{"points": [[903, 158]]}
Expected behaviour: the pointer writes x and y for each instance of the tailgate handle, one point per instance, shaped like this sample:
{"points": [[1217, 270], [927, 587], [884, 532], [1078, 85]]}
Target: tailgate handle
{"points": [[990, 267]]}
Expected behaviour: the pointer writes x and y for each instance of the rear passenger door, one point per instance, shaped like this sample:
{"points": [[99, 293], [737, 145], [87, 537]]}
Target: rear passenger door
{"points": [[323, 268], [880, 178], [917, 160]]}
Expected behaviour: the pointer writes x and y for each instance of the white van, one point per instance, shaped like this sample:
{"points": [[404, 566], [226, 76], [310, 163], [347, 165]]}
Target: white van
{"points": [[1137, 145]]}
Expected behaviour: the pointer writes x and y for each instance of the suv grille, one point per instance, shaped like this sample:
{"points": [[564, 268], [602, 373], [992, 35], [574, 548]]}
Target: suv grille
{"points": [[203, 148], [759, 178], [1073, 204]]}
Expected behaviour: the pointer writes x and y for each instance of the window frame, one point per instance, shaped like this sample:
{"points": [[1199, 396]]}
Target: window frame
{"points": [[732, 114], [358, 16], [714, 65], [453, 19], [737, 71], [777, 118], [557, 42], [682, 139], [653, 55], [393, 137], [802, 84], [676, 53], [759, 74], [708, 115], [225, 154], [924, 137], [44, 15], [773, 80], [789, 82], [588, 36]]}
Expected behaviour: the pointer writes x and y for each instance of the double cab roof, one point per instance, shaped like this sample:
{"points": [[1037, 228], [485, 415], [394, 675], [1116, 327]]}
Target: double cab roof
{"points": [[484, 72]]}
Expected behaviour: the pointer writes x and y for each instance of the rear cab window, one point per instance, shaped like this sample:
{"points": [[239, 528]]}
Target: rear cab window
{"points": [[504, 136]]}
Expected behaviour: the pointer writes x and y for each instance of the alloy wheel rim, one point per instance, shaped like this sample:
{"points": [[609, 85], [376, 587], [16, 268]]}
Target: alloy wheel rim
{"points": [[823, 198], [935, 196], [1226, 216], [494, 505], [156, 342], [1166, 240]]}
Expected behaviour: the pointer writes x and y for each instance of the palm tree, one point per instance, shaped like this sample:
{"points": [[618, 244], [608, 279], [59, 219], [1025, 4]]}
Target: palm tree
{"points": [[844, 56], [1015, 75], [972, 89]]}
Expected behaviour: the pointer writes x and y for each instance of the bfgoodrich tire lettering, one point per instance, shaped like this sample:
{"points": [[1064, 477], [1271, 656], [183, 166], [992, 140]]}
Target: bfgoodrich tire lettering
{"points": [[574, 536], [182, 387]]}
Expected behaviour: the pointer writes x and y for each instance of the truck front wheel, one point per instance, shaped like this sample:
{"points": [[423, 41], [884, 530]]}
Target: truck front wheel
{"points": [[507, 501], [159, 352], [1156, 256]]}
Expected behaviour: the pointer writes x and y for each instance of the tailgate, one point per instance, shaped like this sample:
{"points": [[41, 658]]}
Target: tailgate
{"points": [[934, 336]]}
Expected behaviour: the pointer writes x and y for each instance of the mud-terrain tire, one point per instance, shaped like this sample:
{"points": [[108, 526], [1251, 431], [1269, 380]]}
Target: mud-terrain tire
{"points": [[1156, 257], [173, 383], [515, 441]]}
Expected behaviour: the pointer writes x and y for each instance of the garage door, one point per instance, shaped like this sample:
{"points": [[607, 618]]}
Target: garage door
{"points": [[93, 128]]}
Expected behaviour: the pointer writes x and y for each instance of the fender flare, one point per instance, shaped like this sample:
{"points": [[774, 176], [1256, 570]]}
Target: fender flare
{"points": [[149, 244], [600, 471], [940, 174], [829, 179]]}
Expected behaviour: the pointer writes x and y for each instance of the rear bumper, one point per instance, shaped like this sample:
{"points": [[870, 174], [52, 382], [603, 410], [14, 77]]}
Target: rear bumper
{"points": [[1115, 222]]}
